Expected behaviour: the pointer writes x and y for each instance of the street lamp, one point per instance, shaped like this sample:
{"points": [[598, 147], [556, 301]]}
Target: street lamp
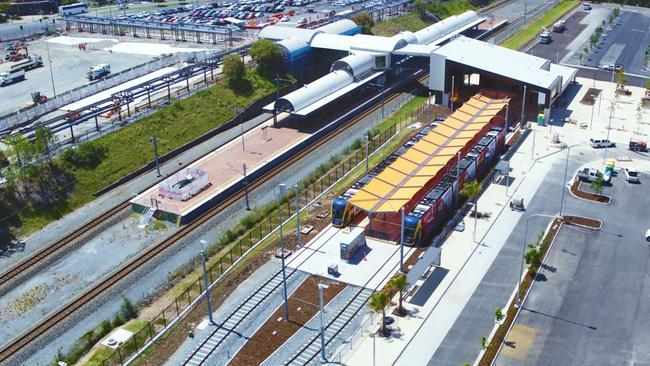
{"points": [[282, 189], [521, 271], [566, 167], [205, 281], [240, 112], [321, 287]]}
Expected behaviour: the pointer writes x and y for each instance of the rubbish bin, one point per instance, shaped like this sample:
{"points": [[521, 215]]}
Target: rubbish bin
{"points": [[609, 166], [540, 119]]}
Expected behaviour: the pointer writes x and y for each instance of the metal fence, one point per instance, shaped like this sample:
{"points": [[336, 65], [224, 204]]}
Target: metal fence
{"points": [[309, 193], [367, 329], [518, 23], [24, 115]]}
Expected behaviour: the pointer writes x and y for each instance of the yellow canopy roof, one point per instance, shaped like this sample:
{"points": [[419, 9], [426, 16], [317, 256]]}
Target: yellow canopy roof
{"points": [[390, 190]]}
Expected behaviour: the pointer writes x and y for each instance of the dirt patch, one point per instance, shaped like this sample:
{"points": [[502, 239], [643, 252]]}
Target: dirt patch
{"points": [[582, 221], [575, 189], [502, 331], [274, 333], [413, 258], [590, 96]]}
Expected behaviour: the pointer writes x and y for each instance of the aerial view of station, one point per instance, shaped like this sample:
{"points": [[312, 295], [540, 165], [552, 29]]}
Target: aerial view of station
{"points": [[308, 182]]}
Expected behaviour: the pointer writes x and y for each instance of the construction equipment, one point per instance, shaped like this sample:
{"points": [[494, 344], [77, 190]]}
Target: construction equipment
{"points": [[38, 98]]}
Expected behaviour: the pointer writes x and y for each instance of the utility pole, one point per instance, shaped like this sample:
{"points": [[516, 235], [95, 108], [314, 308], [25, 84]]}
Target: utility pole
{"points": [[248, 207], [206, 285], [154, 140], [451, 95], [401, 244], [282, 189], [523, 108], [321, 287], [297, 216], [367, 156]]}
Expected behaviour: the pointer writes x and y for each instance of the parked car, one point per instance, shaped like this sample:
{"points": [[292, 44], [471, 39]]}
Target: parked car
{"points": [[590, 175], [631, 175], [598, 143]]}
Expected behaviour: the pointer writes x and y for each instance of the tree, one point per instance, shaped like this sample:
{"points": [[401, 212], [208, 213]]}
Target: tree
{"points": [[469, 190], [399, 283], [597, 184], [621, 79], [647, 84], [5, 11], [234, 71], [617, 11], [420, 6], [268, 57], [378, 303], [532, 256], [365, 22], [498, 315], [484, 344]]}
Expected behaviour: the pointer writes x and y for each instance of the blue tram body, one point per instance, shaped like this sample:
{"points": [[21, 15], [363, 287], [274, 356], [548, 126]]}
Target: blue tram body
{"points": [[438, 204], [341, 212]]}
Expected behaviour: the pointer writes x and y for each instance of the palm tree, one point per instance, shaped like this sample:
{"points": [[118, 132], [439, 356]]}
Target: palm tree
{"points": [[398, 282], [378, 303], [469, 190]]}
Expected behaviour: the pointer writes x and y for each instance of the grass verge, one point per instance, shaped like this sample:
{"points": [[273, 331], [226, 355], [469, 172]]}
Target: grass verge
{"points": [[527, 33]]}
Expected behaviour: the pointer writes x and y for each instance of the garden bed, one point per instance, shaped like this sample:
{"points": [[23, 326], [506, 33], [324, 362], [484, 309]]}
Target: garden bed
{"points": [[582, 221], [575, 189], [274, 333]]}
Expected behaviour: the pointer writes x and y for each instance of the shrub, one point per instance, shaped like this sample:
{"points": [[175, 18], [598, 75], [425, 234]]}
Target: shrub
{"points": [[85, 156]]}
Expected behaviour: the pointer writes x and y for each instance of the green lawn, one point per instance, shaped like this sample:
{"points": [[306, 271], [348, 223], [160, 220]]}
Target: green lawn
{"points": [[130, 148], [530, 31], [413, 22]]}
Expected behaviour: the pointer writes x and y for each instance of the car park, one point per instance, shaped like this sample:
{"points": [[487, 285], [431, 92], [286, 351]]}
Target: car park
{"points": [[598, 143], [631, 175]]}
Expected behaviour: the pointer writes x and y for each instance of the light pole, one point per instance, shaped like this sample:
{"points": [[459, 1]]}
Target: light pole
{"points": [[154, 141], [521, 271], [49, 58], [451, 95], [282, 189], [297, 215], [321, 287], [366, 140], [206, 284], [401, 244], [609, 127], [240, 111], [523, 108], [566, 167], [248, 207]]}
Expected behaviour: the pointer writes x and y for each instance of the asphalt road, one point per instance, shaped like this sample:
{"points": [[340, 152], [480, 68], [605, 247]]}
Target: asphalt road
{"points": [[462, 342], [590, 306], [558, 48]]}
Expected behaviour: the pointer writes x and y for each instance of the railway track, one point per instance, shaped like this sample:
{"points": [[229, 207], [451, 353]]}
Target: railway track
{"points": [[343, 317], [216, 338], [49, 322]]}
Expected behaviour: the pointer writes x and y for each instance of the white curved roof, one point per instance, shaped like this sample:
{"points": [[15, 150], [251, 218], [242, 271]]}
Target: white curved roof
{"points": [[408, 36], [292, 45], [376, 43], [340, 27], [444, 27], [358, 64], [278, 32], [314, 91]]}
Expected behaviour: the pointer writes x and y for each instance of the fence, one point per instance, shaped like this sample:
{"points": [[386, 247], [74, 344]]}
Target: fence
{"points": [[309, 193], [516, 25], [366, 329], [24, 115]]}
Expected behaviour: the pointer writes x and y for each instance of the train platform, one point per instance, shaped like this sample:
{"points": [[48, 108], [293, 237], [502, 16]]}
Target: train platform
{"points": [[371, 267], [224, 166]]}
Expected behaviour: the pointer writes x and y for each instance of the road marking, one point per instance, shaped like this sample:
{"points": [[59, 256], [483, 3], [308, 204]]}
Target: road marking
{"points": [[638, 30]]}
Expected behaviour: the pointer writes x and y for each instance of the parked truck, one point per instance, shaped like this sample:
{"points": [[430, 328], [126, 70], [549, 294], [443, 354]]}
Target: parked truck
{"points": [[590, 175], [11, 77], [98, 71], [28, 63]]}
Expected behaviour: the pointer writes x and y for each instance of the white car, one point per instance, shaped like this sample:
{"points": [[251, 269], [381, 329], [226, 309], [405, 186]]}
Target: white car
{"points": [[631, 175], [598, 143]]}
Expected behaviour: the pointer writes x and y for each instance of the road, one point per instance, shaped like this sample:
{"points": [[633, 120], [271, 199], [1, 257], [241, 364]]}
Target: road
{"points": [[589, 305], [462, 342]]}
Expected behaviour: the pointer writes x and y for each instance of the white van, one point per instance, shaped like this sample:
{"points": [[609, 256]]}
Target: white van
{"points": [[597, 143]]}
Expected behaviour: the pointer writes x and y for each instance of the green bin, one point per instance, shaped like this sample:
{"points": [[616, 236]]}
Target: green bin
{"points": [[540, 119]]}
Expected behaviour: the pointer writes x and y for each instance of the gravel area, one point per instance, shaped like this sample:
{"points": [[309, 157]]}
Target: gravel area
{"points": [[70, 275], [144, 283], [246, 329], [312, 328]]}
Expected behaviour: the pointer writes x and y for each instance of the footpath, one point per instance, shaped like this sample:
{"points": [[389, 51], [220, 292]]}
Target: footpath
{"points": [[422, 332]]}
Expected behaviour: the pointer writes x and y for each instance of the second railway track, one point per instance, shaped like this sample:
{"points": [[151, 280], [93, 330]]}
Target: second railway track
{"points": [[51, 321]]}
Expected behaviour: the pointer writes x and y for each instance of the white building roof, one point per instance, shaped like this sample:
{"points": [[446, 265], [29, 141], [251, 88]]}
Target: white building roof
{"points": [[447, 27], [310, 93], [499, 60], [367, 42], [331, 42], [568, 74], [417, 50], [358, 64], [278, 32], [339, 27]]}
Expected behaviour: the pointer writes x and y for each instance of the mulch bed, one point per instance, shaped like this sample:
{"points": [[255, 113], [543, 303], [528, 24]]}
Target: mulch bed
{"points": [[590, 96], [502, 331], [582, 221], [575, 189], [274, 333], [168, 345]]}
